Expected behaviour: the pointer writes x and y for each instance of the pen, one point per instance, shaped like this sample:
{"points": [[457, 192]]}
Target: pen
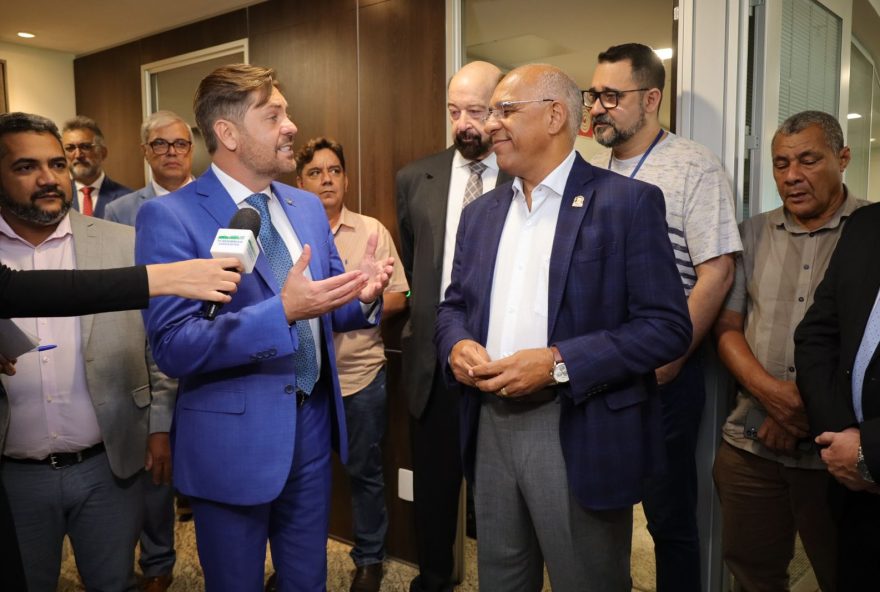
{"points": [[46, 347]]}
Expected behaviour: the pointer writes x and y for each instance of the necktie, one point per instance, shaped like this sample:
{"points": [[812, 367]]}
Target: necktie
{"points": [[870, 339], [305, 361], [87, 201], [474, 187]]}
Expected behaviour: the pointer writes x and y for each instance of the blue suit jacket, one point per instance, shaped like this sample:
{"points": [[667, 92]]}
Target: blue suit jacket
{"points": [[110, 190], [124, 209], [235, 419], [616, 311]]}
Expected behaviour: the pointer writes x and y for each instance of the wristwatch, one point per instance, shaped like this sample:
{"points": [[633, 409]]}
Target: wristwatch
{"points": [[559, 372], [862, 467]]}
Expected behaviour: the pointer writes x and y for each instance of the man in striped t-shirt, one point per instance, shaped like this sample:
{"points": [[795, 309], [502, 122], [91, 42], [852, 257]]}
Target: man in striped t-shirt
{"points": [[624, 103]]}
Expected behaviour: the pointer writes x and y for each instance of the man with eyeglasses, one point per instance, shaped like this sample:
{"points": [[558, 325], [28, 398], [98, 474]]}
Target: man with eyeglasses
{"points": [[84, 145], [624, 102], [167, 145], [431, 193], [564, 298]]}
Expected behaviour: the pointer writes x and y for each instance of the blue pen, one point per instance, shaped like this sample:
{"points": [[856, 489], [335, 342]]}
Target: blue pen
{"points": [[46, 347]]}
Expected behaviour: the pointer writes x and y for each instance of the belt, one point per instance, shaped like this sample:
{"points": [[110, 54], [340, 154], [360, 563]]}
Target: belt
{"points": [[530, 401], [60, 460]]}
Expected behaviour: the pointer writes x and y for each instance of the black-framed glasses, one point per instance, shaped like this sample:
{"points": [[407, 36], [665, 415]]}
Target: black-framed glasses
{"points": [[609, 99], [503, 109], [160, 146], [88, 147]]}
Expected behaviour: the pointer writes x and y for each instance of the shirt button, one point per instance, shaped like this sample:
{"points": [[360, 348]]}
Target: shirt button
{"points": [[45, 359], [812, 234], [791, 368], [289, 389], [800, 298], [806, 266]]}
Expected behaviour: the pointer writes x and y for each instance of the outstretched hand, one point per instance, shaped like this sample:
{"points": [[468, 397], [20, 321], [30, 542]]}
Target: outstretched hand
{"points": [[303, 298], [378, 273]]}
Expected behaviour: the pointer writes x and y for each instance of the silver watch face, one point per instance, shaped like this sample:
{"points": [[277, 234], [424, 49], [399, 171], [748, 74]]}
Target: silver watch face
{"points": [[560, 372]]}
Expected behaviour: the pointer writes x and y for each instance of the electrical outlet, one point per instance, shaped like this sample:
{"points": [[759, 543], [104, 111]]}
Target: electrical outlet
{"points": [[405, 484]]}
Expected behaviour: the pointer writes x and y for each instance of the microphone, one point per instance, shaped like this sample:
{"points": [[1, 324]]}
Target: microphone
{"points": [[239, 241]]}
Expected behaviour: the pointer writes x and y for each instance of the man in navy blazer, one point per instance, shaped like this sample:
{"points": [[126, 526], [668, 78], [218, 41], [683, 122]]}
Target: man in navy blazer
{"points": [[564, 298], [259, 401], [86, 150]]}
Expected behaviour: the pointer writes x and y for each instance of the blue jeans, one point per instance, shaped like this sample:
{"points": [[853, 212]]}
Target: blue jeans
{"points": [[670, 499], [366, 417]]}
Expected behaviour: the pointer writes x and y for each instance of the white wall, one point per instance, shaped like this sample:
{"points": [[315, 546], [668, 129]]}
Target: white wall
{"points": [[39, 81]]}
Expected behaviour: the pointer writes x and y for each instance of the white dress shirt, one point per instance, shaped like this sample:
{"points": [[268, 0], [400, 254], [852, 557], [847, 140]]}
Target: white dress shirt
{"points": [[457, 183], [49, 402], [518, 303], [96, 191]]}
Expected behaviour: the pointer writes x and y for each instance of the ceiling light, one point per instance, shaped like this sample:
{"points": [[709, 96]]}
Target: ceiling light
{"points": [[853, 116], [873, 139], [664, 53], [26, 35]]}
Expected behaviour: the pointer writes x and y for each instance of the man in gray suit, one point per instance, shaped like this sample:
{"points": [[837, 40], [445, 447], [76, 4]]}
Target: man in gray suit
{"points": [[431, 193], [167, 144], [76, 424]]}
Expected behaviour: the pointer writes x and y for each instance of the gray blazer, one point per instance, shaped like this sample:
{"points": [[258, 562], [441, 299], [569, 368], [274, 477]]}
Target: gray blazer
{"points": [[124, 209], [132, 398], [422, 193]]}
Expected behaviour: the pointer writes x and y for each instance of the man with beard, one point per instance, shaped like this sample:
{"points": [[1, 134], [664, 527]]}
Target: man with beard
{"points": [[431, 193], [75, 422], [86, 150], [624, 102], [260, 403]]}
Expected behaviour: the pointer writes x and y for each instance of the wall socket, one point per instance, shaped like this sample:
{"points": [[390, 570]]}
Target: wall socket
{"points": [[405, 484]]}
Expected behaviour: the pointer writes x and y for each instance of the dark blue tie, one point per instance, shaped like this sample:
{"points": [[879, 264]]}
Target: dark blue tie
{"points": [[305, 361]]}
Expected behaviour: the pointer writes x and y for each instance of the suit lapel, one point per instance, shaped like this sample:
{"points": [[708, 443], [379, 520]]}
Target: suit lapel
{"points": [[571, 217], [87, 250], [220, 206], [438, 177]]}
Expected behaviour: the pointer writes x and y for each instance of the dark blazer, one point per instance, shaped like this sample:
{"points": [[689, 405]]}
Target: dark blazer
{"points": [[110, 190], [65, 293], [235, 420], [828, 338], [422, 194], [616, 312]]}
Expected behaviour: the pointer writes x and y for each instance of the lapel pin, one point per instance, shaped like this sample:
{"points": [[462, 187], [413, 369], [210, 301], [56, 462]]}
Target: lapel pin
{"points": [[289, 201], [578, 202]]}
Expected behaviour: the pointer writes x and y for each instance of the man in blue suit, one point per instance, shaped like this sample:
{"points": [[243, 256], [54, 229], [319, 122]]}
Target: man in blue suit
{"points": [[166, 140], [259, 401], [564, 298], [86, 150]]}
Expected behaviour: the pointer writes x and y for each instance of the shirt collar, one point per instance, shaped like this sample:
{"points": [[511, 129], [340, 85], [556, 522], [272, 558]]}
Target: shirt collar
{"points": [[556, 180], [234, 188], [346, 218], [159, 190], [782, 219], [96, 185], [61, 231], [460, 161]]}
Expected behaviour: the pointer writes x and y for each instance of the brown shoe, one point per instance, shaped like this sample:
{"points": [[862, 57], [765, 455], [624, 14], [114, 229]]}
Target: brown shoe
{"points": [[367, 578], [157, 583]]}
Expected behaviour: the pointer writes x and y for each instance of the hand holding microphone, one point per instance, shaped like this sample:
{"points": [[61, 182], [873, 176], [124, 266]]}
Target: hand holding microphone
{"points": [[239, 241]]}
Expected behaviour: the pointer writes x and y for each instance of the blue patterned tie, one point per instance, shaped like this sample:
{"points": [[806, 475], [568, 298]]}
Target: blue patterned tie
{"points": [[305, 361], [870, 339]]}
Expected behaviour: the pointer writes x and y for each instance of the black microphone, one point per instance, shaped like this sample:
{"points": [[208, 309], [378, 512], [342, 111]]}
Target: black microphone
{"points": [[239, 241]]}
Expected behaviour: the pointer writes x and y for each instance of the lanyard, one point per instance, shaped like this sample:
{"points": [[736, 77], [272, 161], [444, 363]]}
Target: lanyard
{"points": [[632, 175]]}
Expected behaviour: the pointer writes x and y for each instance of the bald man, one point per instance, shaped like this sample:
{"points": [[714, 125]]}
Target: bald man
{"points": [[564, 298], [431, 193]]}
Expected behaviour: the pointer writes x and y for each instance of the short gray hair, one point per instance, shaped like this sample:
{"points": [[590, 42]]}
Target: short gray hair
{"points": [[161, 119], [554, 83], [83, 122], [829, 125]]}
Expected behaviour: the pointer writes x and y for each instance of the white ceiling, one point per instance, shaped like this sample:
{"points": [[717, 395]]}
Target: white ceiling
{"points": [[87, 26]]}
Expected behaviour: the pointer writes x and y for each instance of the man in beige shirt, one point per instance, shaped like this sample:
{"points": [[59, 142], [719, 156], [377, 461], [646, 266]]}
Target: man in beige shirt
{"points": [[360, 357], [770, 479]]}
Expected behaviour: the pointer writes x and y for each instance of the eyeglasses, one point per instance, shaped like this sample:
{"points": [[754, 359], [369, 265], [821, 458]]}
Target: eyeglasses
{"points": [[608, 98], [505, 108], [82, 147], [160, 146]]}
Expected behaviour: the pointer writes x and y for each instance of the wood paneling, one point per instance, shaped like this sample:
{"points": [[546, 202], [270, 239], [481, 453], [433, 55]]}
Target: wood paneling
{"points": [[369, 73]]}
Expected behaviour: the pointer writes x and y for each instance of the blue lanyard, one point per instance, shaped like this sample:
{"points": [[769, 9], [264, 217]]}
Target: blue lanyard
{"points": [[642, 159]]}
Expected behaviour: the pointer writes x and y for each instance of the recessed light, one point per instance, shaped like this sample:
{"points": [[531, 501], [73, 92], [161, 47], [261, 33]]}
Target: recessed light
{"points": [[26, 35], [664, 53], [853, 116], [873, 139]]}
